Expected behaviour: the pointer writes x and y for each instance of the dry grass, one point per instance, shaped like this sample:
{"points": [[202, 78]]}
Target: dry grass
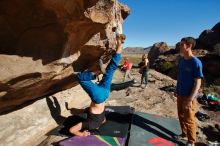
{"points": [[133, 58]]}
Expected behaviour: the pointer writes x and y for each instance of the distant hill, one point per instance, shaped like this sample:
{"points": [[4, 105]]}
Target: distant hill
{"points": [[136, 50], [140, 50]]}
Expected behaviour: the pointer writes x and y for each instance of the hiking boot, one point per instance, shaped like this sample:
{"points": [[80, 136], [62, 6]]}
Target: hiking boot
{"points": [[101, 66], [180, 138], [202, 117]]}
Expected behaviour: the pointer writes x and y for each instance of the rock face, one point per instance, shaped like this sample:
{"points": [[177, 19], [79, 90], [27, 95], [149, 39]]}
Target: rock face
{"points": [[209, 39], [32, 124], [156, 50], [163, 58], [211, 65], [43, 43], [167, 65]]}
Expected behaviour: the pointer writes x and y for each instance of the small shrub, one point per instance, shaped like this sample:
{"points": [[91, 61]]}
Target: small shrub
{"points": [[164, 66]]}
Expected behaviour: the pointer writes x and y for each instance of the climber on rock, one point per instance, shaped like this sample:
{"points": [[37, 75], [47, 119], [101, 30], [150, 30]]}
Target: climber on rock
{"points": [[97, 92]]}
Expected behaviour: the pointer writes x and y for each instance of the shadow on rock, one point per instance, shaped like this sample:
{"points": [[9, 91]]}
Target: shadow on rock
{"points": [[55, 109]]}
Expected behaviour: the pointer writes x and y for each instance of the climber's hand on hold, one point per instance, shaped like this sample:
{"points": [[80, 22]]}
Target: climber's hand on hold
{"points": [[120, 38]]}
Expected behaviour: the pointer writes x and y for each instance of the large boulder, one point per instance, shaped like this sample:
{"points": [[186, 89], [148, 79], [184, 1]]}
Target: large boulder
{"points": [[211, 65], [32, 124], [167, 64], [157, 50], [43, 43], [208, 39]]}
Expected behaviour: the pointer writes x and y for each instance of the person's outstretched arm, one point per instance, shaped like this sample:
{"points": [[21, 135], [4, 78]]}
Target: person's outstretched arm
{"points": [[120, 40]]}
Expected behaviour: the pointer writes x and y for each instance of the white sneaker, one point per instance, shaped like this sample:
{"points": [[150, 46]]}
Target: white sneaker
{"points": [[179, 137], [190, 144]]}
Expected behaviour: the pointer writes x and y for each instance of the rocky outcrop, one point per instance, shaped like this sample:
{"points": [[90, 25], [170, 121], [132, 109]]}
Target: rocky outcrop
{"points": [[43, 43], [31, 124], [167, 64], [207, 49], [211, 65], [163, 58], [157, 50], [208, 39]]}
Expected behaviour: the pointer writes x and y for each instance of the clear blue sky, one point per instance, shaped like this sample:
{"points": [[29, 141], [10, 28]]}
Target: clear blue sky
{"points": [[153, 21]]}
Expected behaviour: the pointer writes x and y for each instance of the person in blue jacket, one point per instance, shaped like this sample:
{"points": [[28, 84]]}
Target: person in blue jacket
{"points": [[97, 92]]}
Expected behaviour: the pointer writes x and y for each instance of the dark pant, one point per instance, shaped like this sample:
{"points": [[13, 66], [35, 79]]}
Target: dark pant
{"points": [[144, 77]]}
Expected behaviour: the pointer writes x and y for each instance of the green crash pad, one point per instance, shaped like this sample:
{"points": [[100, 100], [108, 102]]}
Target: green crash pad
{"points": [[151, 130]]}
